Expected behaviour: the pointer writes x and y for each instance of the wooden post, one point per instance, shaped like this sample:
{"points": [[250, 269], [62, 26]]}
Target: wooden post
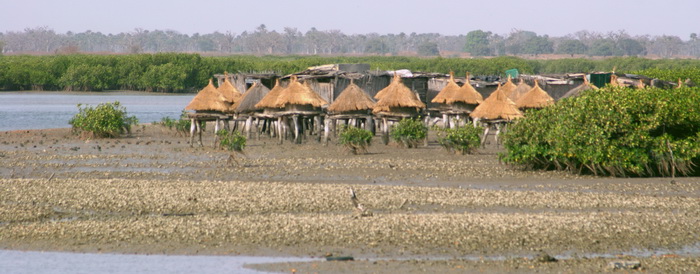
{"points": [[193, 128], [317, 127], [216, 131], [445, 121], [248, 125], [326, 130], [385, 131], [280, 129], [295, 119], [486, 134], [369, 123]]}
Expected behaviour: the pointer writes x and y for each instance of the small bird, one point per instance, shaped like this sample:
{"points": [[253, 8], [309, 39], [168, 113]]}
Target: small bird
{"points": [[361, 210]]}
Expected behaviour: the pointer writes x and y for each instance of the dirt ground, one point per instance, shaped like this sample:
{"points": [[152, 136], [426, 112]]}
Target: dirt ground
{"points": [[431, 211]]}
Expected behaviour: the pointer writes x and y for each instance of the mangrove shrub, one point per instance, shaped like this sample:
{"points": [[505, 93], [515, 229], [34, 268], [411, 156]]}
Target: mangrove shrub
{"points": [[409, 132], [107, 120], [612, 131]]}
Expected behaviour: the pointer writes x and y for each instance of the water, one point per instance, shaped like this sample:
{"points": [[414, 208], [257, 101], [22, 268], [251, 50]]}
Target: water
{"points": [[18, 262], [41, 110]]}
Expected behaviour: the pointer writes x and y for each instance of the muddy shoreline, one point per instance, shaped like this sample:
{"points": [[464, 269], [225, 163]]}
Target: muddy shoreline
{"points": [[152, 193]]}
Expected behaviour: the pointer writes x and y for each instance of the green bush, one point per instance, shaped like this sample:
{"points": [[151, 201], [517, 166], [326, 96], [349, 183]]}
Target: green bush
{"points": [[409, 132], [181, 125], [356, 140], [461, 139], [231, 140], [107, 120], [612, 131]]}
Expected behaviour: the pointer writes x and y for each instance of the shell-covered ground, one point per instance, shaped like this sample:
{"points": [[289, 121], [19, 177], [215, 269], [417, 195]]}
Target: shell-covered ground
{"points": [[431, 210]]}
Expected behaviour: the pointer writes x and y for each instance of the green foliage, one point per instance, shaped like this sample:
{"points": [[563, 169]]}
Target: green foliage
{"points": [[612, 131], [175, 72], [409, 132], [107, 120], [478, 43], [460, 139], [428, 49], [181, 125], [672, 75], [231, 140], [356, 140], [571, 46]]}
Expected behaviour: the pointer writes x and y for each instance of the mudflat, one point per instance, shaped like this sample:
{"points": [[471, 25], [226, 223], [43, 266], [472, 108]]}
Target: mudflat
{"points": [[151, 193]]}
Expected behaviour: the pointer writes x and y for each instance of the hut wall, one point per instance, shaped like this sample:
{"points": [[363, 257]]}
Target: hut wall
{"points": [[435, 85], [325, 90]]}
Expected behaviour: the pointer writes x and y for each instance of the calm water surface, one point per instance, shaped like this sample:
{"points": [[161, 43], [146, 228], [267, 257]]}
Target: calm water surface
{"points": [[41, 110], [17, 262]]}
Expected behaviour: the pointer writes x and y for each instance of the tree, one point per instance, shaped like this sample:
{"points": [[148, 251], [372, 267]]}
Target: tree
{"points": [[630, 47], [376, 45], [537, 45], [603, 47], [571, 46], [478, 43], [428, 49]]}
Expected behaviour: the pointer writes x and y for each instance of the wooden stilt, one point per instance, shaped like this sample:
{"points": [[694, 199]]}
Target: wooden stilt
{"points": [[326, 130], [248, 125], [486, 134], [280, 130], [385, 131], [295, 119], [193, 129]]}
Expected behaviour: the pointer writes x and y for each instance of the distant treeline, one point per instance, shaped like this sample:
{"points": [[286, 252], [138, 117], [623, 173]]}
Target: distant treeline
{"points": [[178, 72]]}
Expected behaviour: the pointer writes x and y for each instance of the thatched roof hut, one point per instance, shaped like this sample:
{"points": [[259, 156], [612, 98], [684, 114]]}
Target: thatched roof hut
{"points": [[398, 100], [270, 99], [578, 90], [508, 87], [208, 99], [353, 99], [448, 94], [535, 98], [497, 106], [231, 93], [458, 99], [298, 94], [519, 90], [250, 98]]}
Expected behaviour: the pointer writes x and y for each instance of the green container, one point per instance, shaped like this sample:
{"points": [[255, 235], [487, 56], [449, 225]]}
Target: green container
{"points": [[513, 73], [600, 79]]}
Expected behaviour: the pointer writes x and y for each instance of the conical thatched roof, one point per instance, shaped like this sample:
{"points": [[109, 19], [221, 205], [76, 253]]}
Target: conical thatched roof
{"points": [[497, 106], [448, 93], [519, 90], [229, 92], [508, 87], [468, 94], [465, 94], [297, 93], [578, 90], [397, 95], [353, 98], [208, 99], [535, 98], [270, 100], [251, 97]]}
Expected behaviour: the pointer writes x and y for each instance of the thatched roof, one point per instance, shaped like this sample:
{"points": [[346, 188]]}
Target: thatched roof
{"points": [[497, 106], [352, 98], [519, 90], [397, 95], [535, 98], [508, 87], [251, 97], [448, 93], [578, 90], [229, 92], [297, 93], [468, 94], [465, 94], [208, 99], [270, 100]]}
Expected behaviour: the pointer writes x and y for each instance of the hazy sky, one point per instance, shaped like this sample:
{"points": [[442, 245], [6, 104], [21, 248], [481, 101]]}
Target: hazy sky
{"points": [[449, 17]]}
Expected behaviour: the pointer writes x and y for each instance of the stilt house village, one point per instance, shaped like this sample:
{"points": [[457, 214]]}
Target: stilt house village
{"points": [[316, 102]]}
